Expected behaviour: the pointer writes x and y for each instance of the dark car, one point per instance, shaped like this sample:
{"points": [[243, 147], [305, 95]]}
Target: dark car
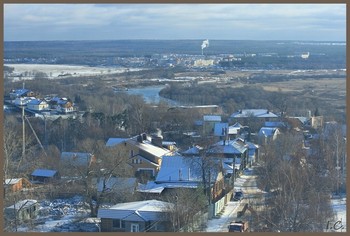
{"points": [[238, 196]]}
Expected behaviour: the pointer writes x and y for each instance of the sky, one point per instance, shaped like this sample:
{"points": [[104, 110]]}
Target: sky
{"points": [[316, 22]]}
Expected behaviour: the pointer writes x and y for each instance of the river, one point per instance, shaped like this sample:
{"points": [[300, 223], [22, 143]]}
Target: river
{"points": [[151, 94]]}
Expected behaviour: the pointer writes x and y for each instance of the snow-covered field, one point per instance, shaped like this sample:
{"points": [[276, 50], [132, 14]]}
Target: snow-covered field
{"points": [[27, 71]]}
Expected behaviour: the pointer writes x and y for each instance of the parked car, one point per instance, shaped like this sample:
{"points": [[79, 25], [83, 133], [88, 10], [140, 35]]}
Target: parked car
{"points": [[238, 196], [238, 226]]}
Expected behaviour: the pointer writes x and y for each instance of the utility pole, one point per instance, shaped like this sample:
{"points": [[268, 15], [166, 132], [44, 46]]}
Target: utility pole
{"points": [[23, 135]]}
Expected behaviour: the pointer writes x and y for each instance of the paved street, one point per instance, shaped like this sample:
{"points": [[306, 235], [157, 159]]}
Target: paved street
{"points": [[247, 183]]}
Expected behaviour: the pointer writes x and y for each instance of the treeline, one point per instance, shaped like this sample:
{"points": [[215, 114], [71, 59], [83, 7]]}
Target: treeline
{"points": [[249, 96], [291, 63], [95, 53]]}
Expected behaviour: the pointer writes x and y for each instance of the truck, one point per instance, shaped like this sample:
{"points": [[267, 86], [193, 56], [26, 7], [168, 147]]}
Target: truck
{"points": [[238, 226]]}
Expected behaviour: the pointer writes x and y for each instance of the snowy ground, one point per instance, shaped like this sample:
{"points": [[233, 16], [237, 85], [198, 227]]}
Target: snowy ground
{"points": [[27, 71], [230, 211], [339, 208], [63, 215]]}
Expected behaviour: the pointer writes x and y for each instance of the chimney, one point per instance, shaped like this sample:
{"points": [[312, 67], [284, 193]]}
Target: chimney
{"points": [[139, 138], [157, 141], [144, 136]]}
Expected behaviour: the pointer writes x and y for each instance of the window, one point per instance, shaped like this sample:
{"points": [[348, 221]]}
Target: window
{"points": [[118, 223], [135, 228], [131, 153], [136, 161]]}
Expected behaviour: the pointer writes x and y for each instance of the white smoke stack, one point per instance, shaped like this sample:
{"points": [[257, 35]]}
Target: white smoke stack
{"points": [[205, 44]]}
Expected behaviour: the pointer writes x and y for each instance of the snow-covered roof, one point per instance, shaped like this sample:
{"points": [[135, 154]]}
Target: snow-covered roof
{"points": [[213, 118], [19, 92], [77, 158], [152, 187], [149, 210], [302, 119], [233, 129], [22, 204], [229, 147], [44, 173], [220, 129], [267, 131], [12, 181], [260, 113], [115, 141], [117, 183], [252, 145], [179, 168], [147, 146], [36, 102], [193, 150], [168, 143]]}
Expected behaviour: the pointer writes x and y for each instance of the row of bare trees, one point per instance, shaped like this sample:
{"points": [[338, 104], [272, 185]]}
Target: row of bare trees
{"points": [[297, 185]]}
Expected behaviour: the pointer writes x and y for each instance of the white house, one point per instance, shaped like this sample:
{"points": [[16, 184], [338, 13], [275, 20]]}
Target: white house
{"points": [[37, 105], [267, 134]]}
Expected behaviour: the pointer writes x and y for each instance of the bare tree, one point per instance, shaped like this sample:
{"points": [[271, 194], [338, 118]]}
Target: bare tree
{"points": [[187, 204], [299, 201], [108, 162]]}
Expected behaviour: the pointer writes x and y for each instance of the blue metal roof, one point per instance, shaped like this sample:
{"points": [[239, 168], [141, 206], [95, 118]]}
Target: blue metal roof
{"points": [[44, 172], [221, 129]]}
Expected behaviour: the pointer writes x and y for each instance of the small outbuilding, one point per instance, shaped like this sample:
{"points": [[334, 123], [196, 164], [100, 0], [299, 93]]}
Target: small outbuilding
{"points": [[16, 184], [44, 176], [22, 210]]}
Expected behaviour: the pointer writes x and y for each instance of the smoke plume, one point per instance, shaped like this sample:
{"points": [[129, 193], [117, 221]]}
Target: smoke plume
{"points": [[205, 44]]}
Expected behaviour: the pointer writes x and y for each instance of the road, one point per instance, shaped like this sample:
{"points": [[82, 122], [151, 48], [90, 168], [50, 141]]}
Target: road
{"points": [[247, 183]]}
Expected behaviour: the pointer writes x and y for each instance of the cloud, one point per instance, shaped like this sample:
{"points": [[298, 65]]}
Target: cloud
{"points": [[179, 21]]}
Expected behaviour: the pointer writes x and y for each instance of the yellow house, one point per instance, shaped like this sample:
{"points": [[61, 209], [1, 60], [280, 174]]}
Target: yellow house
{"points": [[145, 153]]}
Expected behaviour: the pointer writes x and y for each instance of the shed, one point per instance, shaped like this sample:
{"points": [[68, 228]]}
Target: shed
{"points": [[44, 176], [16, 184], [22, 210]]}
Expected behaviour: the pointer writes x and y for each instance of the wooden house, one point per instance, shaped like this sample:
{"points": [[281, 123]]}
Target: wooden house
{"points": [[16, 184], [145, 153]]}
